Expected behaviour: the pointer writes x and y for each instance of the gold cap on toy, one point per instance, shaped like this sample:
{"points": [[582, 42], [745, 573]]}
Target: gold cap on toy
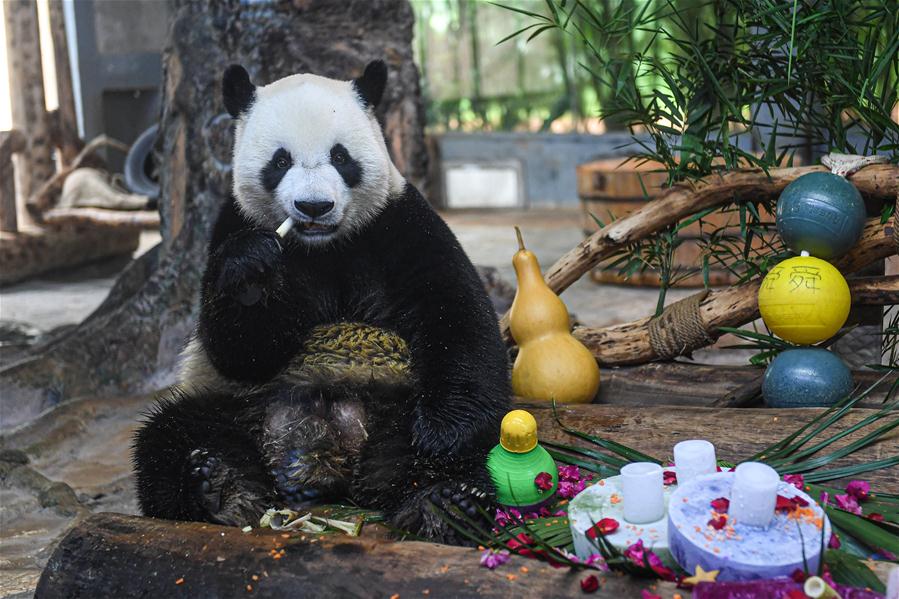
{"points": [[518, 432]]}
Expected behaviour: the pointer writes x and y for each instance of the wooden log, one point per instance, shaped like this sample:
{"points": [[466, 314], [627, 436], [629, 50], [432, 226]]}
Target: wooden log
{"points": [[112, 555], [28, 253], [878, 181], [11, 142], [66, 122], [135, 219], [26, 84], [629, 343]]}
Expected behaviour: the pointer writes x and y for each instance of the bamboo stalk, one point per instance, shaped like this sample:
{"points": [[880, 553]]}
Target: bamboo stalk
{"points": [[735, 306], [879, 181]]}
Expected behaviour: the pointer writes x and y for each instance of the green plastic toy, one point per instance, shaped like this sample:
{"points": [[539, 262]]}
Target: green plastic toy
{"points": [[516, 462]]}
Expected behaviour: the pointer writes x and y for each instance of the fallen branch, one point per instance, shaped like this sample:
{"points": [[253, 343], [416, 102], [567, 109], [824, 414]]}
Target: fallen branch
{"points": [[41, 200], [629, 343], [877, 181]]}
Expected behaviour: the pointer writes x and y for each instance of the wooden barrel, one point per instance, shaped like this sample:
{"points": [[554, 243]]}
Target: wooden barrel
{"points": [[611, 189]]}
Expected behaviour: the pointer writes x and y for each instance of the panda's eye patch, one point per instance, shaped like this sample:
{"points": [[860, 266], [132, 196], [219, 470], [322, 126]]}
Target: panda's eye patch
{"points": [[276, 168], [339, 155], [343, 163]]}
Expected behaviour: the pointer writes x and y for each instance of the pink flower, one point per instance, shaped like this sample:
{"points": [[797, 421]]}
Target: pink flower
{"points": [[858, 489], [640, 556], [848, 503], [501, 518], [544, 481], [635, 553], [595, 559], [492, 559], [797, 480], [569, 473], [825, 498], [834, 542], [568, 489], [669, 477]]}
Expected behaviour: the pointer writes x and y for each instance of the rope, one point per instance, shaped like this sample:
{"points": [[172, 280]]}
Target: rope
{"points": [[679, 330]]}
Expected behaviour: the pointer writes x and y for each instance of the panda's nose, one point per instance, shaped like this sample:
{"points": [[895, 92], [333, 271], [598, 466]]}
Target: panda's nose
{"points": [[314, 208]]}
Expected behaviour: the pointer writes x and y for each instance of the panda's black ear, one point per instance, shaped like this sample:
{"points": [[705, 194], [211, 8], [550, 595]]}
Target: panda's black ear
{"points": [[370, 86], [237, 90]]}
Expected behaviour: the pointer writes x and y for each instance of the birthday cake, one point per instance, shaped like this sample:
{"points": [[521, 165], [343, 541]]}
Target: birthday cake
{"points": [[700, 532]]}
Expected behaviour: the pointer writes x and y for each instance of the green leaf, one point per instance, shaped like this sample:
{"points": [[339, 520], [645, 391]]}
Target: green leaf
{"points": [[851, 571], [864, 530]]}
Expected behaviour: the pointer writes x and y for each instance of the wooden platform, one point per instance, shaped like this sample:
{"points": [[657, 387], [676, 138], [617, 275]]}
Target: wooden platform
{"points": [[28, 253], [121, 556]]}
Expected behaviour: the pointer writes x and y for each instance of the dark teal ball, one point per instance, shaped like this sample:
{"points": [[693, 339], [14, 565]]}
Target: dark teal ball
{"points": [[820, 213], [806, 378]]}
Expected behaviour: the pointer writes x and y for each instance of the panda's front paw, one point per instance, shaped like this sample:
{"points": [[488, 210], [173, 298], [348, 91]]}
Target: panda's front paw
{"points": [[249, 266], [438, 512]]}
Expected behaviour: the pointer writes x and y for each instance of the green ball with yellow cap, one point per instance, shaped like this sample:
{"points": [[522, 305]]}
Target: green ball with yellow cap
{"points": [[516, 462]]}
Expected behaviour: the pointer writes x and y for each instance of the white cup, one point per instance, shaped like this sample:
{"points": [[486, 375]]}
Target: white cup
{"points": [[642, 492], [693, 458], [753, 495]]}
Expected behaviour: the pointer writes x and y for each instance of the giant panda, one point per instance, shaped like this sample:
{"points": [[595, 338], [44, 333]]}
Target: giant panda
{"points": [[271, 410]]}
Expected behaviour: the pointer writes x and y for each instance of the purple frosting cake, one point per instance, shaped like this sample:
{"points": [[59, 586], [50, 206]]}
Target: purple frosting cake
{"points": [[698, 534]]}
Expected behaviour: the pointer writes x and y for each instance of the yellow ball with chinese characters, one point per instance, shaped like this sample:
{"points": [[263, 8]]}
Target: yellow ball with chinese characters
{"points": [[804, 300]]}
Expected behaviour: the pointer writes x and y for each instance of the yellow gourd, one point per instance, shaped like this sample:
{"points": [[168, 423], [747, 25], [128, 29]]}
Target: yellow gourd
{"points": [[551, 364]]}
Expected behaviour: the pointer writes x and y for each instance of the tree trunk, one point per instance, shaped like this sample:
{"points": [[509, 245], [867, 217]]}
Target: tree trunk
{"points": [[131, 344], [66, 120], [26, 82]]}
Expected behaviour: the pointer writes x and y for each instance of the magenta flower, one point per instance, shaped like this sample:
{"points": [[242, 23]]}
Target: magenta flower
{"points": [[797, 480], [669, 477], [569, 473], [858, 489], [848, 503], [568, 489], [834, 542], [825, 498], [492, 559], [597, 560], [544, 481], [501, 518]]}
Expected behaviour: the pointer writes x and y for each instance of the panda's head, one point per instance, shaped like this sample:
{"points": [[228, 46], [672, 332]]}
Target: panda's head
{"points": [[310, 148]]}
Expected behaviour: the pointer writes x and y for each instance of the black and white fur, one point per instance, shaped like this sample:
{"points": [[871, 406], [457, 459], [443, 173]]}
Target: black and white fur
{"points": [[366, 248]]}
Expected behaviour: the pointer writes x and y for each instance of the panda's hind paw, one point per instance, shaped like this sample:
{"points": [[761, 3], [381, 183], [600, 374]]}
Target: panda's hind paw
{"points": [[287, 476], [222, 494]]}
